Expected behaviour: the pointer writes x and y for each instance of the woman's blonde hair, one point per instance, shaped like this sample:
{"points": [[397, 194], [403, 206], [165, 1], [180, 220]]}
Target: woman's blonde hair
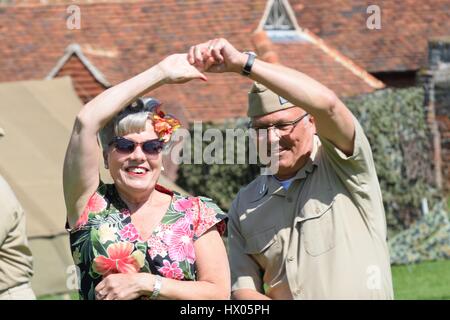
{"points": [[132, 119]]}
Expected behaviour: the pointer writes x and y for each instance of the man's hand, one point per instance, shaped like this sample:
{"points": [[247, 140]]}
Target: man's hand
{"points": [[176, 69], [217, 56]]}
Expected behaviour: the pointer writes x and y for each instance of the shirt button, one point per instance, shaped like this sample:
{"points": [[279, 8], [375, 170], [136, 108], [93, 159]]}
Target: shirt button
{"points": [[290, 259], [298, 291], [289, 199]]}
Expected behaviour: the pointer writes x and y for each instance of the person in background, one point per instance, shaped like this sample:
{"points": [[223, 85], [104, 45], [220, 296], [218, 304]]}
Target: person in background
{"points": [[16, 262]]}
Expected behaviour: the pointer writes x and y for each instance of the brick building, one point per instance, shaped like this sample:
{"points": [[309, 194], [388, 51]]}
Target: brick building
{"points": [[329, 40]]}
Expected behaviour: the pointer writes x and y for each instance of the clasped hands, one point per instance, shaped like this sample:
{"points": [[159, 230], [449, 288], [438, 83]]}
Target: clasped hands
{"points": [[215, 56]]}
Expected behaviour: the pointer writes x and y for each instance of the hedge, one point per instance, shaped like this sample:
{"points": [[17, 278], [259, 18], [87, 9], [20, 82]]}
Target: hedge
{"points": [[394, 122]]}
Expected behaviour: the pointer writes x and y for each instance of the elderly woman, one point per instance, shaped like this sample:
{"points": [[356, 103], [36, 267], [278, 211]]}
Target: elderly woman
{"points": [[133, 238]]}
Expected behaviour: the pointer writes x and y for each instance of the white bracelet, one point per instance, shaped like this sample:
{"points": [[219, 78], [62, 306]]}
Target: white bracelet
{"points": [[156, 287]]}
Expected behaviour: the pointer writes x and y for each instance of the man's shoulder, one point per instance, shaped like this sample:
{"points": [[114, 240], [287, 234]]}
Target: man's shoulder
{"points": [[252, 186], [248, 192]]}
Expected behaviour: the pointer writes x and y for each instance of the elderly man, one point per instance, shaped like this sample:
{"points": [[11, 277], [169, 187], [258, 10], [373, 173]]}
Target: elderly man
{"points": [[16, 265], [316, 228]]}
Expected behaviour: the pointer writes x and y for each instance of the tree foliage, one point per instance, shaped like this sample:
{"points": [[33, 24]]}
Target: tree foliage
{"points": [[394, 122]]}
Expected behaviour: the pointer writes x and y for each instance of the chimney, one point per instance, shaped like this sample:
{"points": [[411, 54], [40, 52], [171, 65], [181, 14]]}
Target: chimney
{"points": [[264, 47], [437, 105]]}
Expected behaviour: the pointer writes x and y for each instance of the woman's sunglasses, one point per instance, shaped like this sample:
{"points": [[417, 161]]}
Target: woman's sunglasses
{"points": [[150, 147]]}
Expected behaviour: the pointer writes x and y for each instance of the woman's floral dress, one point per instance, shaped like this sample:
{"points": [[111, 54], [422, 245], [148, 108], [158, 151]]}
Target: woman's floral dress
{"points": [[105, 241]]}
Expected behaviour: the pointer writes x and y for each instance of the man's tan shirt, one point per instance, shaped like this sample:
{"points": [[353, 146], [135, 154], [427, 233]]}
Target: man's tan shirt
{"points": [[323, 238]]}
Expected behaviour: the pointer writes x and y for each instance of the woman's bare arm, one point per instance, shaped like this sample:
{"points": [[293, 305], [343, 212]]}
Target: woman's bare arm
{"points": [[213, 277], [81, 172]]}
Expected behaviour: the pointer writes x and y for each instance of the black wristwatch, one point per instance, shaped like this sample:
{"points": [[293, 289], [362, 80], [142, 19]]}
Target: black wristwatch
{"points": [[248, 66]]}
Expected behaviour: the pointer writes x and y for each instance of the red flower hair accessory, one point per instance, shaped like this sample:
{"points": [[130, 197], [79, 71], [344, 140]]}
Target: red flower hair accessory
{"points": [[164, 125]]}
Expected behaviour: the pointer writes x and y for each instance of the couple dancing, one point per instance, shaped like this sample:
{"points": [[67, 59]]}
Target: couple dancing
{"points": [[310, 231]]}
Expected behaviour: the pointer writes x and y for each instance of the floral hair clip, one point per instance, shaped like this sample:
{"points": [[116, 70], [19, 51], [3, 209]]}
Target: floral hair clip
{"points": [[165, 125]]}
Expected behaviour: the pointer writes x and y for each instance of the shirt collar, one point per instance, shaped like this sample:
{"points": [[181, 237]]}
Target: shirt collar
{"points": [[309, 166], [269, 185]]}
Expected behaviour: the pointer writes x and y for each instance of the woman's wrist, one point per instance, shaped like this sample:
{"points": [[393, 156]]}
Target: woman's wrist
{"points": [[240, 62], [146, 282], [161, 73]]}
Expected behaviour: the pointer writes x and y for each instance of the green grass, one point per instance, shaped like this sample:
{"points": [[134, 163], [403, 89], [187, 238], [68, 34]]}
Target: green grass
{"points": [[62, 296], [424, 281]]}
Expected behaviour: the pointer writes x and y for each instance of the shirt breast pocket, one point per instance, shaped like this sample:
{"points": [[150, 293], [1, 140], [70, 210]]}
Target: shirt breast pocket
{"points": [[263, 246], [317, 227]]}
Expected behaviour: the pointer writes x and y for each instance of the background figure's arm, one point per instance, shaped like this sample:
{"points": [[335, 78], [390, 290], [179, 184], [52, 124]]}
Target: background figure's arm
{"points": [[11, 210]]}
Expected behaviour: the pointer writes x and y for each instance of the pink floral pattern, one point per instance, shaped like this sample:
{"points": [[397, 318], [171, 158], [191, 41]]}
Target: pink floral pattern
{"points": [[171, 270], [180, 241], [129, 232], [184, 204], [156, 247], [168, 251]]}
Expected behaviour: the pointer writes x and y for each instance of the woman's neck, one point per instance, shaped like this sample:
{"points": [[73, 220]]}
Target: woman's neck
{"points": [[135, 200]]}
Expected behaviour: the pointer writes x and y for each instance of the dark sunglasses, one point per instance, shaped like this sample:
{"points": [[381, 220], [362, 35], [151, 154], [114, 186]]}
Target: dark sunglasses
{"points": [[124, 145]]}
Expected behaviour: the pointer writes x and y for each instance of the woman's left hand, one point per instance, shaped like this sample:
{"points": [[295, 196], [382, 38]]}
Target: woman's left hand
{"points": [[120, 286], [177, 69]]}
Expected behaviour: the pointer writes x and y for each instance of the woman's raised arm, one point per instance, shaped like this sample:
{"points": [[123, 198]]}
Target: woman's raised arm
{"points": [[81, 172]]}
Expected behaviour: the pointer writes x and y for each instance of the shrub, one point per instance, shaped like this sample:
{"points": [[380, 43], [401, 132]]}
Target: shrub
{"points": [[394, 122]]}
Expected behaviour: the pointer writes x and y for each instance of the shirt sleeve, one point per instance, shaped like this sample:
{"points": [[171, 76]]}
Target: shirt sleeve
{"points": [[11, 210], [245, 271], [6, 223], [357, 172], [208, 215]]}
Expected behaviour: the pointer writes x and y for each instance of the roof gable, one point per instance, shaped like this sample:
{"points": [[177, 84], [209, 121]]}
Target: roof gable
{"points": [[399, 45], [119, 40]]}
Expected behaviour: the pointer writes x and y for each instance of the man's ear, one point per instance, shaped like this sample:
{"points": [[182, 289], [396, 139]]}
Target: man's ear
{"points": [[105, 159], [312, 122]]}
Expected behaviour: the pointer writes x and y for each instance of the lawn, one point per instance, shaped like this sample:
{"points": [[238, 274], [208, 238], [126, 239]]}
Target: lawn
{"points": [[427, 280]]}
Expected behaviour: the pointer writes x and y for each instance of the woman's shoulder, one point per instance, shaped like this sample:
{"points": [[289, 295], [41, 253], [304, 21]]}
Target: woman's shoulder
{"points": [[99, 203], [202, 211], [189, 201]]}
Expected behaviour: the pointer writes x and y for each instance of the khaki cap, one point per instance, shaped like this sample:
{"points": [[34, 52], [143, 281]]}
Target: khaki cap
{"points": [[263, 101]]}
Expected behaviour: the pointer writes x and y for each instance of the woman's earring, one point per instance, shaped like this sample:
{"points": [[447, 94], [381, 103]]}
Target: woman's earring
{"points": [[162, 168], [106, 166]]}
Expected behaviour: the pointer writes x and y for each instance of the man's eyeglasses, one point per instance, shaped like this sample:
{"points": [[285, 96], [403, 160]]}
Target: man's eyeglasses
{"points": [[280, 129], [150, 147]]}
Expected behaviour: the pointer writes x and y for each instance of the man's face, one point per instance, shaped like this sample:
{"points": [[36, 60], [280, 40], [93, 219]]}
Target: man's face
{"points": [[294, 142]]}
